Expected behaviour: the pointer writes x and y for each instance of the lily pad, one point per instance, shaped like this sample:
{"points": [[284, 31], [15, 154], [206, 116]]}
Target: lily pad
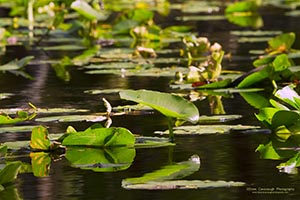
{"points": [[72, 118], [169, 172], [207, 129], [218, 118], [151, 142], [184, 184], [16, 129], [44, 110], [104, 91], [154, 71]]}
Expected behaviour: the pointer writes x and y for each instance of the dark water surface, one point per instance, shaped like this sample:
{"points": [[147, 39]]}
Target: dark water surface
{"points": [[229, 157]]}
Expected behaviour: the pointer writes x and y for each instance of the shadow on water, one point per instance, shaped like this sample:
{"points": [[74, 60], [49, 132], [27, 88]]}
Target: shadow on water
{"points": [[229, 157]]}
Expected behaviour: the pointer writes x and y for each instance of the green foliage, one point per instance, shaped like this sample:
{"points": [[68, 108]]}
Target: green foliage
{"points": [[282, 43], [281, 119], [244, 13], [243, 6], [100, 160], [84, 9], [271, 71], [169, 172], [9, 173], [21, 116], [170, 105], [39, 139], [100, 137], [40, 162]]}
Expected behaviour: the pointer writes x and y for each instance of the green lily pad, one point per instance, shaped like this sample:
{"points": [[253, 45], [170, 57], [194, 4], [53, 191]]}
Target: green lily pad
{"points": [[16, 129], [169, 172], [70, 47], [43, 110], [218, 118], [184, 184], [104, 91], [154, 71], [72, 118], [207, 129], [151, 142]]}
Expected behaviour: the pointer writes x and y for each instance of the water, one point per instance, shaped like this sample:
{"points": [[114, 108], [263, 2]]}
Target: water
{"points": [[229, 157]]}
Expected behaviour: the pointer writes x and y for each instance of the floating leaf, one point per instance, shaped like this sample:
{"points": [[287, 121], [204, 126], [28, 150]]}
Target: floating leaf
{"points": [[9, 173], [207, 129], [168, 104], [39, 138], [218, 118], [16, 129], [151, 142], [71, 47], [16, 64], [169, 172], [184, 184], [101, 160], [72, 118], [44, 110], [101, 137], [16, 145]]}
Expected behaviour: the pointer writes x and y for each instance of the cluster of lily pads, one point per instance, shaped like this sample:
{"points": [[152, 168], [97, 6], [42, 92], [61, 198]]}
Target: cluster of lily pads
{"points": [[104, 148]]}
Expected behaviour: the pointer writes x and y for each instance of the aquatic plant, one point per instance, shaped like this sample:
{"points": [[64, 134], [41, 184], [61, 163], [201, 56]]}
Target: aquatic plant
{"points": [[171, 106]]}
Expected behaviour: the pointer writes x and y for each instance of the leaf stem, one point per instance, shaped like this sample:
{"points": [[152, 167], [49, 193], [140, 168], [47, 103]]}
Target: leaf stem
{"points": [[171, 133]]}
